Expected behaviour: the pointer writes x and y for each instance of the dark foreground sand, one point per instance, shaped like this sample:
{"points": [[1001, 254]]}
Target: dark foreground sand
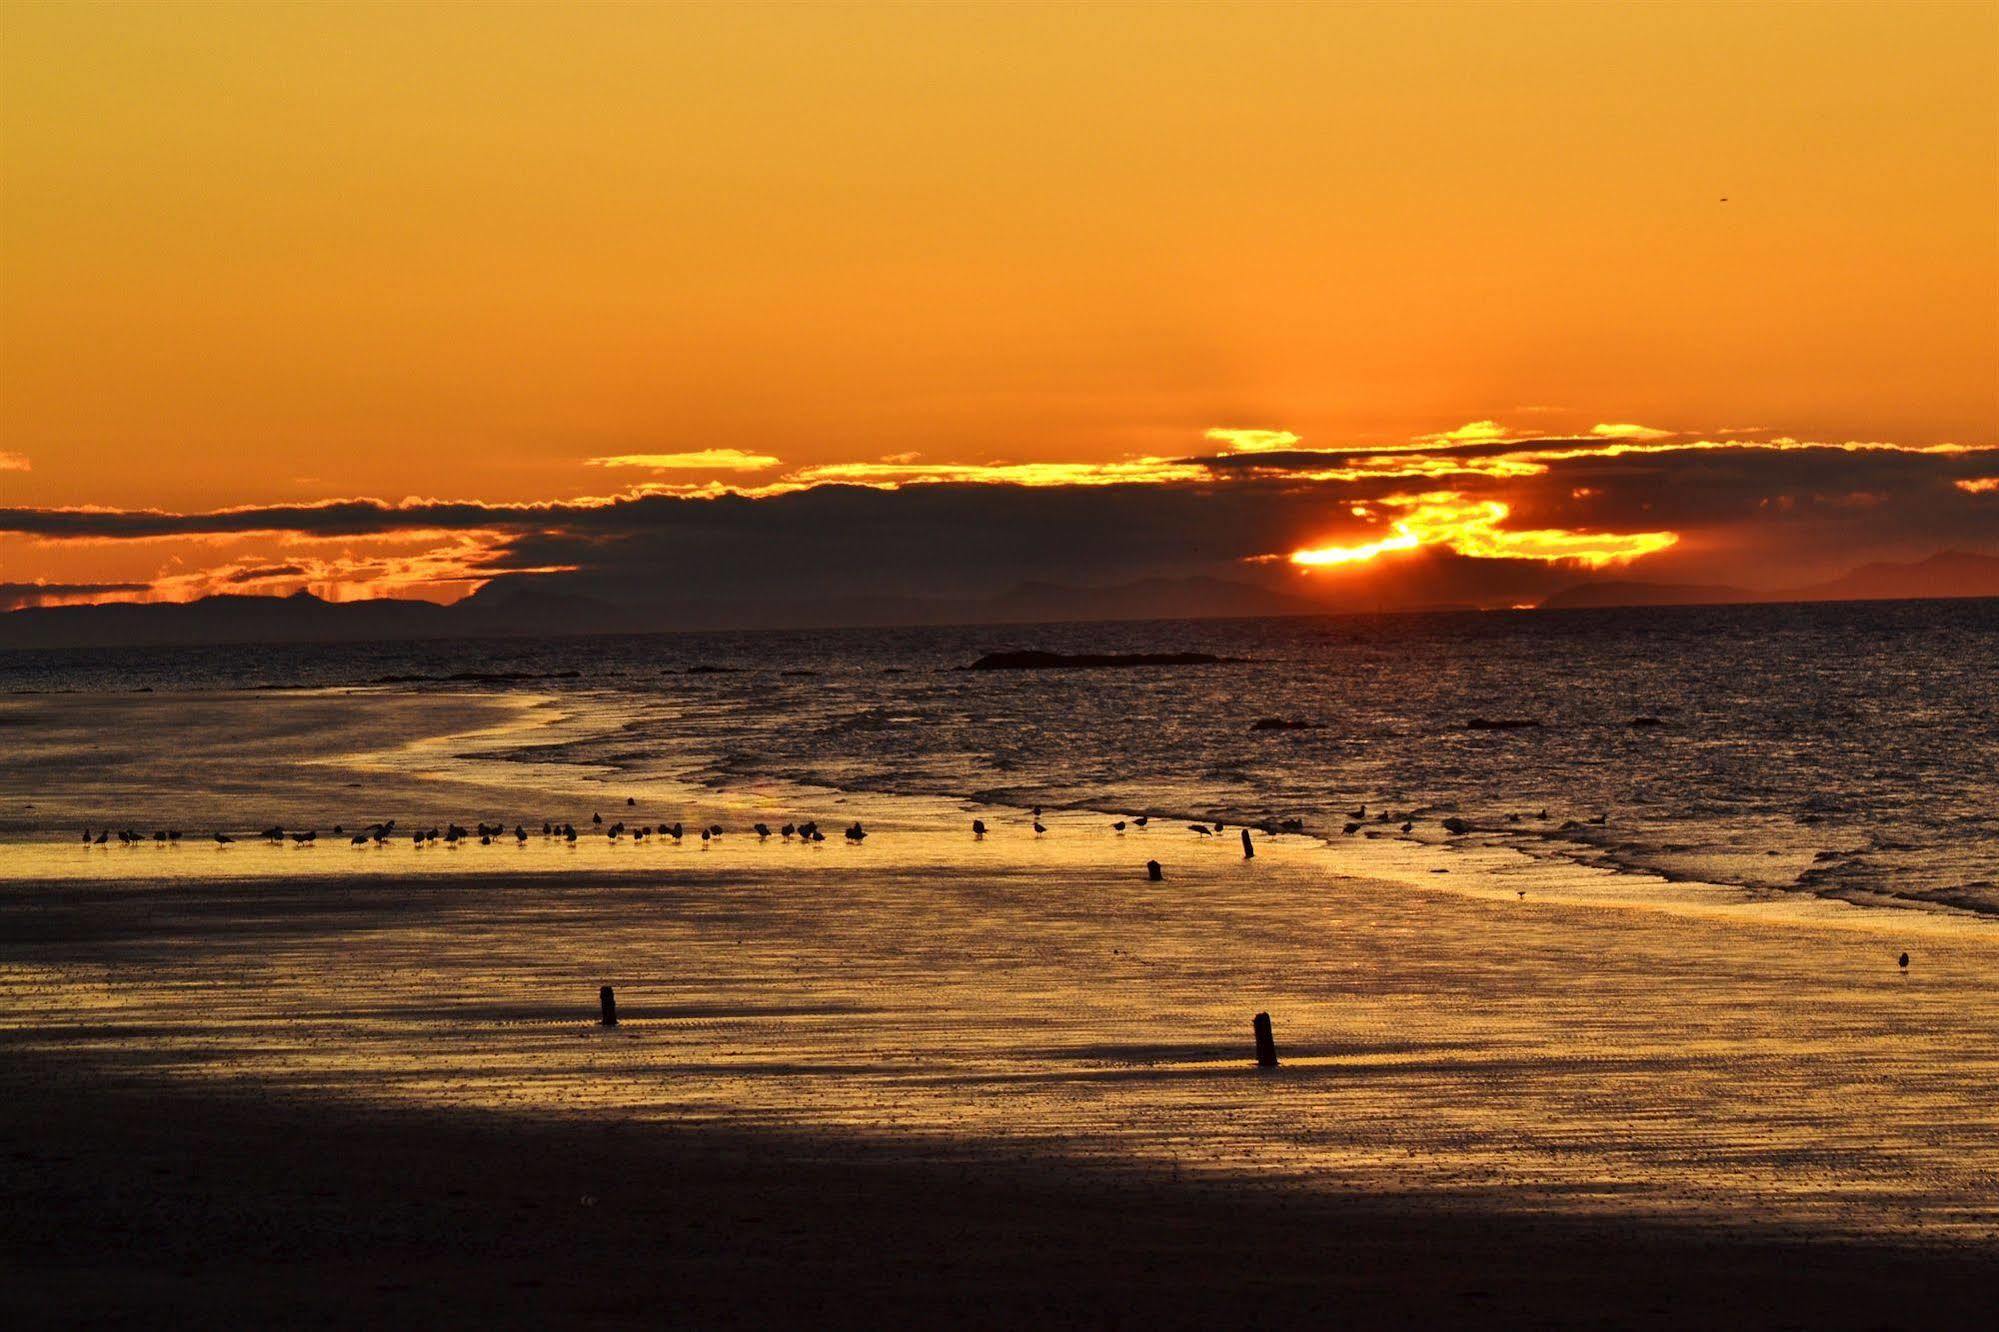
{"points": [[139, 1205]]}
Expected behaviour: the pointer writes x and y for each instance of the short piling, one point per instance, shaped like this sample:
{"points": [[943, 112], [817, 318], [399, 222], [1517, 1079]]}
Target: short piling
{"points": [[1153, 872], [607, 1001], [1248, 851], [1266, 1043]]}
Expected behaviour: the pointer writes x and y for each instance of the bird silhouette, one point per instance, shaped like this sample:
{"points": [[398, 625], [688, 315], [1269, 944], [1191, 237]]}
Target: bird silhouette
{"points": [[978, 827], [221, 839], [1118, 826]]}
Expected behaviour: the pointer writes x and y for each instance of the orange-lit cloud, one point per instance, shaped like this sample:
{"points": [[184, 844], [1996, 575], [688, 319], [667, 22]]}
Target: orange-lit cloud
{"points": [[1472, 432], [1474, 528], [1537, 505], [1252, 441], [1628, 431], [13, 462], [1131, 471], [701, 460]]}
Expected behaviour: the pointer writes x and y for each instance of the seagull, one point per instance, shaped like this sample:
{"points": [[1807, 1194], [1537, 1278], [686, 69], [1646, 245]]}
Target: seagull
{"points": [[1360, 813], [1142, 820], [1118, 826], [1202, 829], [221, 839], [1407, 826]]}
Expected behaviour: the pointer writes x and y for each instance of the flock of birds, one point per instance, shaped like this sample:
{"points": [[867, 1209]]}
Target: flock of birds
{"points": [[485, 834], [808, 831]]}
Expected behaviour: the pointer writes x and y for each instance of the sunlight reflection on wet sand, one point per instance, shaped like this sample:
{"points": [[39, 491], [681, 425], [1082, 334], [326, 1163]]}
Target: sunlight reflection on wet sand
{"points": [[1708, 1056]]}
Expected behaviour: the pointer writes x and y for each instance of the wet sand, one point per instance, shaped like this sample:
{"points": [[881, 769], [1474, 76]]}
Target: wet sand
{"points": [[847, 1088], [133, 1205], [991, 1081]]}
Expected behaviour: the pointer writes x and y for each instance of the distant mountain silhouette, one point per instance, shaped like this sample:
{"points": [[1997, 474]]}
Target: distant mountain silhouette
{"points": [[514, 607], [1628, 592], [524, 606], [1950, 573]]}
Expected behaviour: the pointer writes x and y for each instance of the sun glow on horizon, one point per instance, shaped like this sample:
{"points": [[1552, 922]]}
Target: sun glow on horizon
{"points": [[1472, 528]]}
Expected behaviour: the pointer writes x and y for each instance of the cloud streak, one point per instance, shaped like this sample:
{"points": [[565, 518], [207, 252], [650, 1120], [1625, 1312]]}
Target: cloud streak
{"points": [[1491, 513], [702, 460]]}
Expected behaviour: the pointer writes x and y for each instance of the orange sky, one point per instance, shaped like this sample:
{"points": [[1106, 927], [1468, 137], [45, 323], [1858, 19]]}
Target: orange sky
{"points": [[286, 253]]}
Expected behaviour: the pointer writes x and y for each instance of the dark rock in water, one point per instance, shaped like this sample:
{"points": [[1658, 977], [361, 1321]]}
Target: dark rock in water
{"points": [[1055, 661], [1646, 721], [1499, 724], [712, 670], [1282, 724], [1456, 826]]}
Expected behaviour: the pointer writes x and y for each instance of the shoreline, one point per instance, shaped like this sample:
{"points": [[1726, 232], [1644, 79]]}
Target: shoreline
{"points": [[497, 753]]}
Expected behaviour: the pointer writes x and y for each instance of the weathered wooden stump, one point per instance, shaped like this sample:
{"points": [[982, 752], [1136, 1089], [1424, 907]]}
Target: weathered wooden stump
{"points": [[1153, 872], [607, 1000], [1248, 851], [1266, 1044]]}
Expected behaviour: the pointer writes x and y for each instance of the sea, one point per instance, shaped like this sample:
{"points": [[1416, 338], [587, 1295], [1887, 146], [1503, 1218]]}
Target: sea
{"points": [[1842, 750]]}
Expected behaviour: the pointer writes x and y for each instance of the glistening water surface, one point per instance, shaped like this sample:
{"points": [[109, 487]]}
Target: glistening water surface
{"points": [[1847, 749]]}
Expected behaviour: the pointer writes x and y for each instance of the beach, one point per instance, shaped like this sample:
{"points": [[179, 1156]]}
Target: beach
{"points": [[937, 1075]]}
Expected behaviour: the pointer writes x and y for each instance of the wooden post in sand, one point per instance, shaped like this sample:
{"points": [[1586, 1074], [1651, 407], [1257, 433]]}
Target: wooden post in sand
{"points": [[1248, 851], [1266, 1044], [1153, 872], [608, 1002]]}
